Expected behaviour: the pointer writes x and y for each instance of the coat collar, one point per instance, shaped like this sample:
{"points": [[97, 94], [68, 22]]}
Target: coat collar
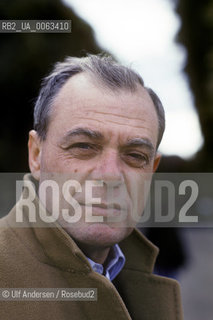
{"points": [[140, 253]]}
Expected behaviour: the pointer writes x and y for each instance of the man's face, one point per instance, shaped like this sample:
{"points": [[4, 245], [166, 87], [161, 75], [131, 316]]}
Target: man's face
{"points": [[98, 134]]}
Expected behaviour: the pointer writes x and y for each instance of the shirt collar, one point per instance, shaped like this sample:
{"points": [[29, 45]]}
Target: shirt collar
{"points": [[113, 264]]}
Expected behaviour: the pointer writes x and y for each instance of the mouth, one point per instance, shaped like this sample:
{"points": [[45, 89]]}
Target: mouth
{"points": [[105, 210]]}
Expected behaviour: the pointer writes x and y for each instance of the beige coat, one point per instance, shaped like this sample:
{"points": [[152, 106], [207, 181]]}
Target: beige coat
{"points": [[34, 257]]}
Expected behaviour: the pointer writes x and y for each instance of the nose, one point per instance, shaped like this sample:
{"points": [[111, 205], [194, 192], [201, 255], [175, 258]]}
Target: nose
{"points": [[108, 168]]}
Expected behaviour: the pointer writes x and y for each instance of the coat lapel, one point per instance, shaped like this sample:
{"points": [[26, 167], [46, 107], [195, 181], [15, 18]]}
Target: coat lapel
{"points": [[147, 296]]}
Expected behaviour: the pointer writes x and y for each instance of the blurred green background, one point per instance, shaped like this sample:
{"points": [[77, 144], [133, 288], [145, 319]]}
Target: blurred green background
{"points": [[24, 60]]}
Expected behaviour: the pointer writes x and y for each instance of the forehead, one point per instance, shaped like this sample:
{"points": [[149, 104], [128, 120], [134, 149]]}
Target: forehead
{"points": [[84, 102]]}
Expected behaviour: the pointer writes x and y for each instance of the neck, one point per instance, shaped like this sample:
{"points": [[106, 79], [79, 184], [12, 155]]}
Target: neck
{"points": [[98, 255]]}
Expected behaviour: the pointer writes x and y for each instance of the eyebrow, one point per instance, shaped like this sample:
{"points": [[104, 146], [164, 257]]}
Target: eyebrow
{"points": [[97, 135], [92, 134]]}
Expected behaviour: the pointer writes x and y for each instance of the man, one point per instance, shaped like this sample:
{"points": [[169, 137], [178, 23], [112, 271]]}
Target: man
{"points": [[93, 151]]}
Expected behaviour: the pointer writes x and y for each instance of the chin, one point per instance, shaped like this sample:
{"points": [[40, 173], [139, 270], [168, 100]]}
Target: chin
{"points": [[99, 234]]}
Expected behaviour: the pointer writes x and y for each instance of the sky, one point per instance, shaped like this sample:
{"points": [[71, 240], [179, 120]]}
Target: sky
{"points": [[140, 34]]}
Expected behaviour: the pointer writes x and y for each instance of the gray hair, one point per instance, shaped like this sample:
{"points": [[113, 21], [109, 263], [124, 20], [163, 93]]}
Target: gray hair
{"points": [[104, 69]]}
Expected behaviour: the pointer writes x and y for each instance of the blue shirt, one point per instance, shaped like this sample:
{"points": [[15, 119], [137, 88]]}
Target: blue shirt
{"points": [[113, 264]]}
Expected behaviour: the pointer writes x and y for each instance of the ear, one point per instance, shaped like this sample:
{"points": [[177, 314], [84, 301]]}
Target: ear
{"points": [[34, 150], [156, 161]]}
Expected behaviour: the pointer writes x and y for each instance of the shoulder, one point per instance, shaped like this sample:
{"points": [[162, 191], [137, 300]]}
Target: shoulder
{"points": [[19, 252]]}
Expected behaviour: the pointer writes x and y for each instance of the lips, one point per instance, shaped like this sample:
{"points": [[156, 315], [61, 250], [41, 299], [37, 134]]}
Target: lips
{"points": [[103, 209]]}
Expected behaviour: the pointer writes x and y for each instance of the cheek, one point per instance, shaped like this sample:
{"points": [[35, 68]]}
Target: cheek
{"points": [[60, 168], [138, 188], [54, 161]]}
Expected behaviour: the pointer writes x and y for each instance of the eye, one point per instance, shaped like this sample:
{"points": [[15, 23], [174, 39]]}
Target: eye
{"points": [[83, 150], [137, 156], [82, 145], [136, 159]]}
